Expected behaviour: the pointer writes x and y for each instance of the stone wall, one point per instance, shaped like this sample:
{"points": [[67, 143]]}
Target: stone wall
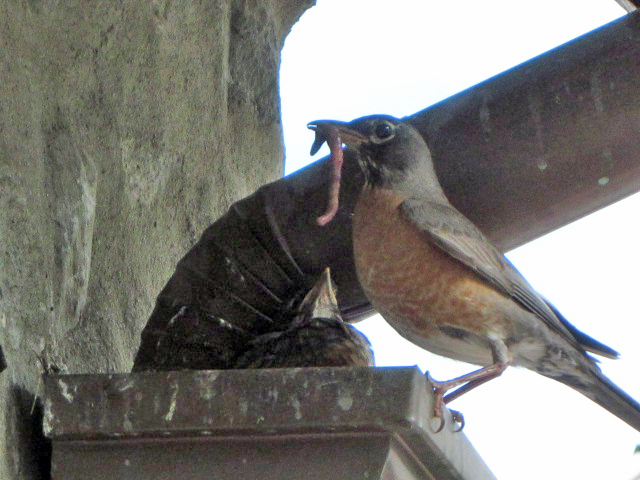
{"points": [[125, 129]]}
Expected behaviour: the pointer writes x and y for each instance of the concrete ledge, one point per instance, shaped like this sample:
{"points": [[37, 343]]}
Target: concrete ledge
{"points": [[283, 424]]}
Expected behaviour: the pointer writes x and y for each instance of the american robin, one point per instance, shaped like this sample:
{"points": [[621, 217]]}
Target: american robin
{"points": [[316, 337], [442, 284]]}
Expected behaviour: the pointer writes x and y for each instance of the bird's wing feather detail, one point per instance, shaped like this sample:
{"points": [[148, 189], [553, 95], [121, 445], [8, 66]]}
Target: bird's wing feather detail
{"points": [[589, 343], [460, 238]]}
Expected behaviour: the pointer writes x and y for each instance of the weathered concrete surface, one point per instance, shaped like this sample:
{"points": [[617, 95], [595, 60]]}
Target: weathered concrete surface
{"points": [[374, 423], [125, 129]]}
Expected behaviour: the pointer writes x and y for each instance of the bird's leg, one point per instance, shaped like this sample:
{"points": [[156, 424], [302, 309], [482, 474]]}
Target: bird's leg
{"points": [[468, 382], [473, 384]]}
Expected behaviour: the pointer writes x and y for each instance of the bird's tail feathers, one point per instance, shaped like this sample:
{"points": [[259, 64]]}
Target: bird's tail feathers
{"points": [[607, 394]]}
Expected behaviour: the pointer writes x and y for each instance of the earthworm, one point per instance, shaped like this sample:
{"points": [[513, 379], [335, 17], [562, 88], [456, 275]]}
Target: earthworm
{"points": [[337, 158]]}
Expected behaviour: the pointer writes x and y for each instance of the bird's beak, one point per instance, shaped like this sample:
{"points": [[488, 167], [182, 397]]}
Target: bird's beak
{"points": [[348, 136], [320, 301]]}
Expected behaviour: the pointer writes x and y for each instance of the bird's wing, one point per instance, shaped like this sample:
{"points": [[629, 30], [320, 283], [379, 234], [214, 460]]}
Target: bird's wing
{"points": [[460, 238], [590, 344]]}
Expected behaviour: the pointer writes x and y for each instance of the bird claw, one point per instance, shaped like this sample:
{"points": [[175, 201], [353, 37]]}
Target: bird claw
{"points": [[442, 422], [439, 389], [458, 418]]}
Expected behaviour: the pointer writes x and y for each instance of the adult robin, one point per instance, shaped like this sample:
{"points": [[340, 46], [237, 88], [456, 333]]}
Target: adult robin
{"points": [[442, 284]]}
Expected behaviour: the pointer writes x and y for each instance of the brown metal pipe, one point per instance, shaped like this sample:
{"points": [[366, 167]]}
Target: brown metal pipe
{"points": [[547, 142]]}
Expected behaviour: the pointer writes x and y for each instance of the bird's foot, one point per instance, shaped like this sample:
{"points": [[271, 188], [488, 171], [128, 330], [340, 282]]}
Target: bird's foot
{"points": [[457, 418], [440, 389], [461, 385]]}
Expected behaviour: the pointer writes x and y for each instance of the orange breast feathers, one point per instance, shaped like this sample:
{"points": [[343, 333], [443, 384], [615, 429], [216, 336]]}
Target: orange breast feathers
{"points": [[412, 282]]}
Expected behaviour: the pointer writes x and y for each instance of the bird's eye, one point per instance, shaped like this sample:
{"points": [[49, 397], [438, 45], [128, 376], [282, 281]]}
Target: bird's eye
{"points": [[382, 132]]}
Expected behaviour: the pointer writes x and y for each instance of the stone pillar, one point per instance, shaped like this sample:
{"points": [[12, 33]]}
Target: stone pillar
{"points": [[125, 129]]}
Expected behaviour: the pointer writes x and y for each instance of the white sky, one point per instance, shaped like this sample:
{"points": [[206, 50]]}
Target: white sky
{"points": [[347, 58]]}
